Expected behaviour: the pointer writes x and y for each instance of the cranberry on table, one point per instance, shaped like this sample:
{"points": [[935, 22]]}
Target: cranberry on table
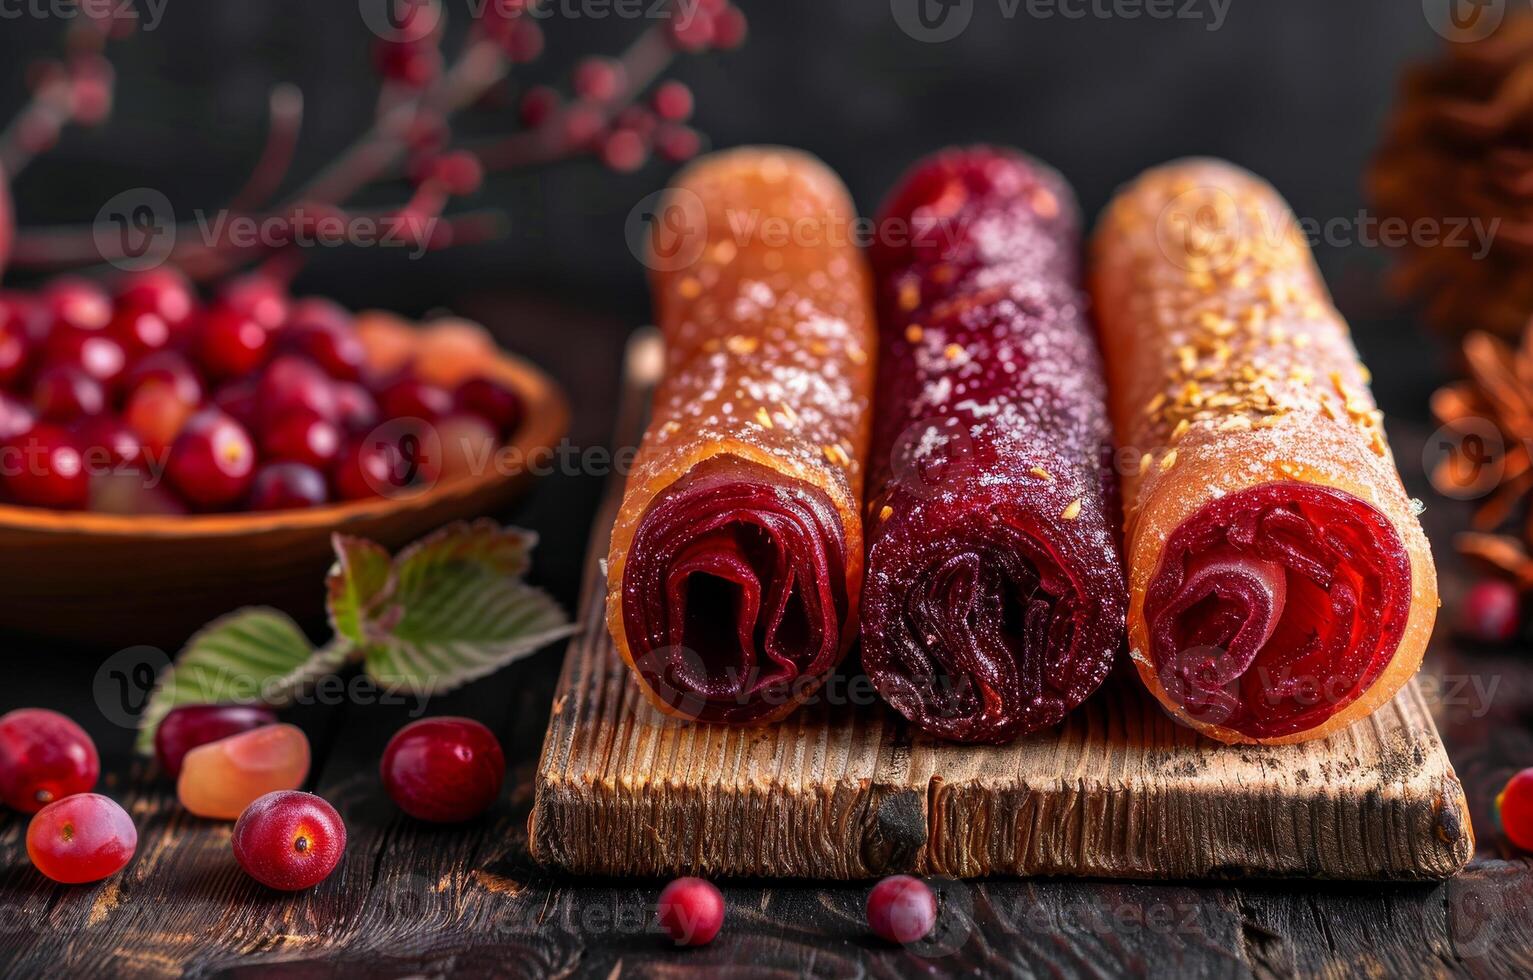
{"points": [[691, 911], [288, 486], [1491, 611], [491, 401], [191, 725], [302, 437], [901, 909], [220, 779], [65, 392], [44, 757], [443, 770], [43, 467], [409, 398], [81, 839], [212, 461], [289, 840], [232, 344], [1514, 807]]}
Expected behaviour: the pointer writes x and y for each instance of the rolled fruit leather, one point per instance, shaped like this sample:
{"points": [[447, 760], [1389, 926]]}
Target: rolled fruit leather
{"points": [[736, 559], [1280, 586], [994, 601]]}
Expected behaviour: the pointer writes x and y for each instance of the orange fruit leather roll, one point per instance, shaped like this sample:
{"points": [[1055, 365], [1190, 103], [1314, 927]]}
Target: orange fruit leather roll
{"points": [[1280, 584], [736, 559]]}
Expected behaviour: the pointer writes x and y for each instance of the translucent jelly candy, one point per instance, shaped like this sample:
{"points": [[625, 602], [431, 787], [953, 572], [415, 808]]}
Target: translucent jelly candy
{"points": [[220, 779]]}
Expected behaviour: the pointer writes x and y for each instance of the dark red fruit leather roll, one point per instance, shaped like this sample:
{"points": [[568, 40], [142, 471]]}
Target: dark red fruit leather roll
{"points": [[994, 599]]}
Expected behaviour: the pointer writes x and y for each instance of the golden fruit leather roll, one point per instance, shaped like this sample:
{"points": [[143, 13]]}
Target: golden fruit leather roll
{"points": [[1280, 586], [737, 555]]}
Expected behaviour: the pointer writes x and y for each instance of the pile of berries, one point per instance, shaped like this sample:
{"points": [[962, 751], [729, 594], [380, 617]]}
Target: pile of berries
{"points": [[147, 400]]}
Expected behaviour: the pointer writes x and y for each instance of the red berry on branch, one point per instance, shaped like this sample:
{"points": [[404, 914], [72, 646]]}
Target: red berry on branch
{"points": [[690, 32], [524, 42], [598, 79], [538, 105], [582, 124], [1514, 806], [411, 65], [91, 79], [638, 119], [459, 172], [730, 28], [1491, 611], [678, 144], [901, 909], [673, 101], [691, 911], [624, 151]]}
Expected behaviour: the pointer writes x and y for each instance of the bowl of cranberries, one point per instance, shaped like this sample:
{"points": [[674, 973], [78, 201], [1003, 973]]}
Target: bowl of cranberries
{"points": [[164, 457]]}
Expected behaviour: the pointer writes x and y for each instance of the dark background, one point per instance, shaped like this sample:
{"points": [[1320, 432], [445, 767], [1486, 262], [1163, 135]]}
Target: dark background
{"points": [[1296, 90]]}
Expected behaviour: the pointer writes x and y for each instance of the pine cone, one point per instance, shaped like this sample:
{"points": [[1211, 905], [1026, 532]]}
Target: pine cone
{"points": [[1458, 149]]}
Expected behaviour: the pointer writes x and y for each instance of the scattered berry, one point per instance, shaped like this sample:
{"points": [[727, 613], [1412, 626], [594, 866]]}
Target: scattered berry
{"points": [[289, 840], [443, 770], [191, 725], [44, 757], [691, 911], [220, 779], [81, 839], [901, 909], [1514, 807]]}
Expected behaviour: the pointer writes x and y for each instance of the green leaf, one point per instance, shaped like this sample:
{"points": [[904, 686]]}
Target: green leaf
{"points": [[252, 656], [456, 609], [360, 577]]}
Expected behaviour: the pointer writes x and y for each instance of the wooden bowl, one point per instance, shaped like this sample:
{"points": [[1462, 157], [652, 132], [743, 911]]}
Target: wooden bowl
{"points": [[127, 580]]}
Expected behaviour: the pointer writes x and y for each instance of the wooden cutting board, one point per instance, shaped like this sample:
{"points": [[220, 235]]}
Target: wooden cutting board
{"points": [[1118, 790]]}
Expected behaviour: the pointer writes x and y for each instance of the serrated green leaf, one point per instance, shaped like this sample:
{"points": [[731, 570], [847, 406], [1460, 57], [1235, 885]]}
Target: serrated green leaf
{"points": [[252, 656], [360, 578], [458, 610]]}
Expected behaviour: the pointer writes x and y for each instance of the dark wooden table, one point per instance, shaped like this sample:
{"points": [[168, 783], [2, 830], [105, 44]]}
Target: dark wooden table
{"points": [[413, 900]]}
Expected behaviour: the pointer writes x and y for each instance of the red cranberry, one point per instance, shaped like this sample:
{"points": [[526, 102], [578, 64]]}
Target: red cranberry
{"points": [[212, 461], [292, 384], [163, 291], [31, 311], [75, 302], [729, 28], [357, 410], [169, 368], [138, 330], [241, 400], [321, 331], [624, 151], [44, 757], [156, 413], [232, 344], [677, 144], [673, 101], [538, 105], [408, 398], [192, 725], [44, 468], [493, 402], [287, 486], [367, 468], [64, 393], [302, 437], [106, 442], [289, 840], [445, 770], [691, 34], [598, 79], [261, 298], [15, 417], [92, 351], [691, 911], [901, 909], [15, 346], [1491, 611], [81, 838]]}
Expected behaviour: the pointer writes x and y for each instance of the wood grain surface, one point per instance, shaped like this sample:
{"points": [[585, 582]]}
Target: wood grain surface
{"points": [[844, 788]]}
